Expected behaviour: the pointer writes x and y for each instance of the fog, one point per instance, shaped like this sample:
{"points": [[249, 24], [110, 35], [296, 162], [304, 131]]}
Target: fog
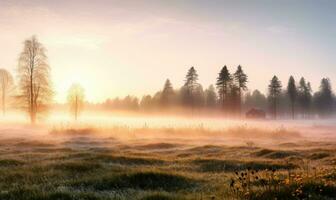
{"points": [[156, 128]]}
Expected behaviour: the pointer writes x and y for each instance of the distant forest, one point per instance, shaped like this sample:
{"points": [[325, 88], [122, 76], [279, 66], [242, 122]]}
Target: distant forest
{"points": [[230, 97]]}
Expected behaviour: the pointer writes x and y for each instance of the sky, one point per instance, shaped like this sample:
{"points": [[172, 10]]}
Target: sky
{"points": [[120, 47]]}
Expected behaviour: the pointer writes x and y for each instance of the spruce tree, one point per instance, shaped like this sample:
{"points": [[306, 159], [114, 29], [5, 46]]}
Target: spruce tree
{"points": [[167, 94], [190, 86], [304, 96], [274, 90], [210, 97], [241, 79], [292, 94], [324, 98], [224, 82]]}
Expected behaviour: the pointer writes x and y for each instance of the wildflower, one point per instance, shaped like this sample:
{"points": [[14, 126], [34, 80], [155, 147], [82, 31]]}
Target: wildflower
{"points": [[287, 181], [232, 183]]}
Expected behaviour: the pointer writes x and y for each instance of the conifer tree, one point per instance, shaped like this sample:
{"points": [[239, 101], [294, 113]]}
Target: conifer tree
{"points": [[190, 87], [324, 98], [241, 79], [292, 94], [167, 94], [304, 96], [274, 91], [210, 97], [224, 82]]}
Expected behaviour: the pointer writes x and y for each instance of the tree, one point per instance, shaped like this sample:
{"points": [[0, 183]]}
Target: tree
{"points": [[6, 86], [167, 95], [76, 99], [324, 98], [146, 102], [241, 79], [190, 87], [224, 82], [210, 97], [35, 93], [199, 96], [274, 90], [255, 100], [304, 96], [292, 93]]}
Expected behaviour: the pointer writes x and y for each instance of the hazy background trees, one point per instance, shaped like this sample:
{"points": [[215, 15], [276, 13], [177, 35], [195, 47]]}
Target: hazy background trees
{"points": [[35, 93], [168, 95], [6, 87], [211, 97], [274, 92], [241, 80], [224, 82], [255, 100], [190, 89], [324, 99], [305, 97], [76, 100], [230, 99], [292, 94]]}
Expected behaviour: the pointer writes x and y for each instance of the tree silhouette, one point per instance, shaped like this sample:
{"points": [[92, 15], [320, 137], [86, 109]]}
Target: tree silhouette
{"points": [[199, 96], [292, 94], [210, 97], [305, 96], [190, 87], [76, 99], [224, 82], [234, 99], [35, 91], [167, 95], [255, 100], [6, 87], [146, 102], [324, 98], [274, 90], [241, 79]]}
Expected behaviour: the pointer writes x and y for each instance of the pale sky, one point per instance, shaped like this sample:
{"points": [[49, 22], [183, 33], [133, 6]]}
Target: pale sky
{"points": [[119, 47]]}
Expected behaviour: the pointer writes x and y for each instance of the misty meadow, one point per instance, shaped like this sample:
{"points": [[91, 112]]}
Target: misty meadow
{"points": [[167, 100]]}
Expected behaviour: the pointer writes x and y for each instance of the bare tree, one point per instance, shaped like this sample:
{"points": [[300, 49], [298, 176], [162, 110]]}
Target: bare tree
{"points": [[76, 99], [35, 93], [6, 87]]}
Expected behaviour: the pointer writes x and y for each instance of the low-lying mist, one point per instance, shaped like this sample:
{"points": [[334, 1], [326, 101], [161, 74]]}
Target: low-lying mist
{"points": [[159, 128]]}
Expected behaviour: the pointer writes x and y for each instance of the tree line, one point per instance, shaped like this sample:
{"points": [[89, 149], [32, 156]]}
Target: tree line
{"points": [[33, 93], [230, 96]]}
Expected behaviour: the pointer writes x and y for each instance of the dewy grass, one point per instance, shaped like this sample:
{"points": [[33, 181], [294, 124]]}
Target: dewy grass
{"points": [[137, 164]]}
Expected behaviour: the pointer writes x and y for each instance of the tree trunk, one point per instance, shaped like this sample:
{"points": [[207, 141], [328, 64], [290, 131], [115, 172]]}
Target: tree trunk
{"points": [[32, 110]]}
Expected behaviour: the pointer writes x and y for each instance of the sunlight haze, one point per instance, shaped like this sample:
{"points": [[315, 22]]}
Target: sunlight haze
{"points": [[115, 48]]}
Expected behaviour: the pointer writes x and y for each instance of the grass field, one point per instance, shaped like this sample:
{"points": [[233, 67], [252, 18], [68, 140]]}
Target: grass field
{"points": [[165, 163]]}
